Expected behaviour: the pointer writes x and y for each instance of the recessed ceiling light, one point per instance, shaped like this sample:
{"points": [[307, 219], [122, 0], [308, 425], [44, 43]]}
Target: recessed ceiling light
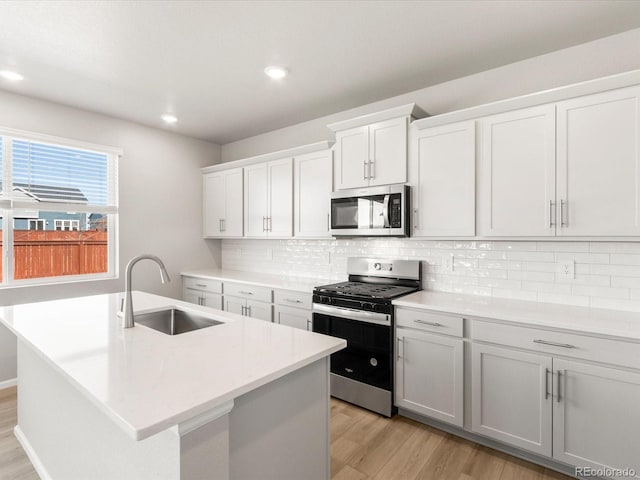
{"points": [[9, 75], [168, 118], [276, 72]]}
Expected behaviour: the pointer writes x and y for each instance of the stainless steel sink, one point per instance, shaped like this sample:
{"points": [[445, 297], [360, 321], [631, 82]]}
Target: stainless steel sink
{"points": [[174, 321]]}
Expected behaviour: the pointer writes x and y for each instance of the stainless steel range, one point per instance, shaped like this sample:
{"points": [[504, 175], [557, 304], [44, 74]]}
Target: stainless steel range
{"points": [[360, 311]]}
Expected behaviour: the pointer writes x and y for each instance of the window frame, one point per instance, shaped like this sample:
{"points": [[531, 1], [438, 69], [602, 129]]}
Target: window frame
{"points": [[37, 222], [8, 205]]}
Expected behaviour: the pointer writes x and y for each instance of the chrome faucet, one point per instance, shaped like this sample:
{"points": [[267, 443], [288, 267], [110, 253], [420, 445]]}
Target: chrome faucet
{"points": [[127, 307]]}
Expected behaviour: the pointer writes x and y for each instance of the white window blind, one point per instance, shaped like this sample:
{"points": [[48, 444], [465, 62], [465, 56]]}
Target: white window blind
{"points": [[52, 173]]}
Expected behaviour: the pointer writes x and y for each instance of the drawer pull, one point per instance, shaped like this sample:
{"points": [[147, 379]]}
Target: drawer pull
{"points": [[424, 322], [245, 293], [292, 301], [554, 344], [559, 382]]}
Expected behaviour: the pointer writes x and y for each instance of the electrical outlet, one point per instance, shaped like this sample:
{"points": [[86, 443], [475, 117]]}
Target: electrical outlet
{"points": [[566, 269], [447, 263]]}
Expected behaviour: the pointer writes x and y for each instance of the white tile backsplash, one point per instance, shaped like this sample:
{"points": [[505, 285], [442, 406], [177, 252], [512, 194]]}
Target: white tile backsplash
{"points": [[607, 274]]}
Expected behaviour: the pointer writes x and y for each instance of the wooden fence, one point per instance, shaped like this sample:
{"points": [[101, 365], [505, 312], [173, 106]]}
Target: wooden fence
{"points": [[54, 253]]}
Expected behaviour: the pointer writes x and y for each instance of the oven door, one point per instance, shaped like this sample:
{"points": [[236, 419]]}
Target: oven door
{"points": [[369, 354], [370, 212]]}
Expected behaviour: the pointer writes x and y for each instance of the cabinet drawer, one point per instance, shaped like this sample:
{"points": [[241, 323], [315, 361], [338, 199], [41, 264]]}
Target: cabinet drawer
{"points": [[429, 321], [262, 294], [292, 299], [203, 284], [559, 343]]}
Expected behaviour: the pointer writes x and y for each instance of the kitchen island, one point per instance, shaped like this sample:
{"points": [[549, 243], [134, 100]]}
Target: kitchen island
{"points": [[240, 400]]}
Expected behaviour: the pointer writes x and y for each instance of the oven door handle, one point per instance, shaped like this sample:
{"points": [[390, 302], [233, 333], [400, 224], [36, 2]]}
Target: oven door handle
{"points": [[352, 314]]}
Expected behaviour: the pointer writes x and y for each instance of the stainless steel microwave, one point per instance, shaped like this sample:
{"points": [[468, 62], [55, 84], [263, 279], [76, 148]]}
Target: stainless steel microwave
{"points": [[371, 212]]}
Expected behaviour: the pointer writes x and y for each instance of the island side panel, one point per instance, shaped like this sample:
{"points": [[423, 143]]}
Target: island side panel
{"points": [[280, 431], [68, 438]]}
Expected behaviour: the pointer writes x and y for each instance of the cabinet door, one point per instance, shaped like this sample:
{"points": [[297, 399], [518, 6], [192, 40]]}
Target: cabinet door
{"points": [[313, 182], [259, 310], [596, 416], [517, 173], [443, 174], [191, 296], [429, 375], [388, 152], [599, 164], [213, 205], [352, 158], [511, 398], [212, 300], [256, 200], [293, 317], [234, 305], [280, 221], [232, 221]]}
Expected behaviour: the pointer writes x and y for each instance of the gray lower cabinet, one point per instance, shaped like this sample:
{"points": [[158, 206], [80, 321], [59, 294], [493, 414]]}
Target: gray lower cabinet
{"points": [[248, 307]]}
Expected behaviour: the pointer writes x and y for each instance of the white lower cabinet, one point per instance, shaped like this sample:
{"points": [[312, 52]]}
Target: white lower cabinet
{"points": [[511, 397], [248, 308], [429, 375], [596, 416], [292, 317], [202, 292], [578, 413]]}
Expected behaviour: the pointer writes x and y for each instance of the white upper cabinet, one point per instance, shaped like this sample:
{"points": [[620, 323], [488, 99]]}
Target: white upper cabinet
{"points": [[372, 150], [268, 199], [313, 183], [442, 175], [599, 164], [222, 203], [517, 173]]}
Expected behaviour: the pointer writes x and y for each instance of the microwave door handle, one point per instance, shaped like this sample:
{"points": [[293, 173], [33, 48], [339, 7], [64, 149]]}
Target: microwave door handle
{"points": [[385, 211]]}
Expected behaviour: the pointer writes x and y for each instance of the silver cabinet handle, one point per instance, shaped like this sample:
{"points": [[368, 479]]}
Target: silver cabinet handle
{"points": [[220, 224], [248, 310], [424, 322], [269, 224], [224, 224], [201, 285], [328, 222], [400, 344], [546, 383], [415, 219], [245, 293], [264, 220], [290, 300], [242, 310], [372, 171], [364, 175], [552, 204], [278, 317], [559, 382], [309, 325], [563, 222], [554, 344]]}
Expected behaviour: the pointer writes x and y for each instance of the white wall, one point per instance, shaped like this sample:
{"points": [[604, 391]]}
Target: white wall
{"points": [[600, 58], [160, 201]]}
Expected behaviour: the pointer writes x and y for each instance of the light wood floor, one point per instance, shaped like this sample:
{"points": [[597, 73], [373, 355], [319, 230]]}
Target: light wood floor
{"points": [[364, 446]]}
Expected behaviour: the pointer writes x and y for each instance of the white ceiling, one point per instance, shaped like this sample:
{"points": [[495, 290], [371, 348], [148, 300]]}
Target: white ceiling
{"points": [[204, 61]]}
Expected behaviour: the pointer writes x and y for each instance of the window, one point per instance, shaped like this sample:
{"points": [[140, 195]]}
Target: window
{"points": [[37, 224], [61, 204]]}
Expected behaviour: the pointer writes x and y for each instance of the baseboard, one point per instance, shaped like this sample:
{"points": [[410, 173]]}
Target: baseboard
{"points": [[33, 457], [487, 442], [8, 383]]}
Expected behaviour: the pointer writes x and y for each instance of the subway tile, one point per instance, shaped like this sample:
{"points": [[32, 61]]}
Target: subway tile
{"points": [[615, 247], [532, 256], [625, 259], [616, 270], [590, 258], [605, 292], [629, 282], [547, 287], [500, 264], [533, 276], [515, 294], [585, 279], [500, 283], [539, 266], [515, 246], [563, 247]]}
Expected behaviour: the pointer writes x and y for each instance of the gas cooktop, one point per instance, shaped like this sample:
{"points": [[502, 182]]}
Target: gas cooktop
{"points": [[366, 290]]}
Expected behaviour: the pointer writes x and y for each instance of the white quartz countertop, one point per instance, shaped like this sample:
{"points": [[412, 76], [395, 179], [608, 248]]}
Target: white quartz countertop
{"points": [[147, 381], [612, 323], [301, 284]]}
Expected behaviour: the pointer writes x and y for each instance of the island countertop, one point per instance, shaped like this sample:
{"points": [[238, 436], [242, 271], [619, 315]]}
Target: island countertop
{"points": [[147, 381]]}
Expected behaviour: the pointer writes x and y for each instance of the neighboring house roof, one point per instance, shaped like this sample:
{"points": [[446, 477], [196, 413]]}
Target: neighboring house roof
{"points": [[50, 193]]}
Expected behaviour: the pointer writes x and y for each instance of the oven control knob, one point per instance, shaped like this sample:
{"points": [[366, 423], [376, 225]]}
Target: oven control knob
{"points": [[367, 306], [377, 266]]}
